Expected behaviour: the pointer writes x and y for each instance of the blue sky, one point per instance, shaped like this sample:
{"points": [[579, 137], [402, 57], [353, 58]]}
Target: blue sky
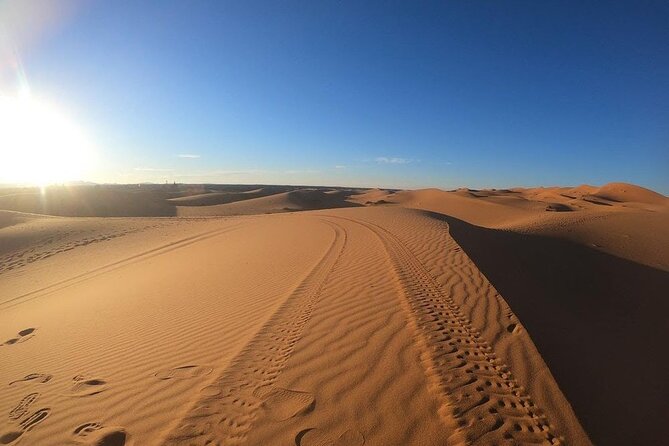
{"points": [[411, 94]]}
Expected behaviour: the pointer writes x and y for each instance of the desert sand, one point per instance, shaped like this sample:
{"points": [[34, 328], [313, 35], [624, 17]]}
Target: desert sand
{"points": [[142, 315]]}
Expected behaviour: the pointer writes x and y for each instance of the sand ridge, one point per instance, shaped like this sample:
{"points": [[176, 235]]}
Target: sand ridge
{"points": [[385, 317]]}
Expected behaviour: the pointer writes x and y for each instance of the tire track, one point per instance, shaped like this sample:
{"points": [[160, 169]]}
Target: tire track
{"points": [[228, 406], [359, 358], [477, 389], [40, 250], [115, 265]]}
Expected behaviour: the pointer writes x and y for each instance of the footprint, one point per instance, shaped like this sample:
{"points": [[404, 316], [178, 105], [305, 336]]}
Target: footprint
{"points": [[316, 437], [211, 390], [23, 406], [282, 404], [34, 419], [183, 372], [85, 429], [22, 336], [35, 377], [95, 434], [86, 387], [25, 425]]}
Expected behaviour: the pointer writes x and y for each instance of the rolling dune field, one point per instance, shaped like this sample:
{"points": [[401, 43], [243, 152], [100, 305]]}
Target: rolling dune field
{"points": [[324, 316]]}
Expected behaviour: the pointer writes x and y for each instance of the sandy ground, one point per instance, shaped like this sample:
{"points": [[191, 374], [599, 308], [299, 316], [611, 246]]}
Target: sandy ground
{"points": [[525, 316]]}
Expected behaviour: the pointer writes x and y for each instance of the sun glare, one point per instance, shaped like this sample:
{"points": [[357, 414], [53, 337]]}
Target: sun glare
{"points": [[39, 144]]}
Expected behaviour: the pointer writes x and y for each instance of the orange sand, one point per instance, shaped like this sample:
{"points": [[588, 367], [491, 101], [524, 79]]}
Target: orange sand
{"points": [[525, 316]]}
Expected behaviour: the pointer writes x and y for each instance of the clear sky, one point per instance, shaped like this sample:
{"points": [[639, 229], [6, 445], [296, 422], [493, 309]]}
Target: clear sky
{"points": [[394, 94]]}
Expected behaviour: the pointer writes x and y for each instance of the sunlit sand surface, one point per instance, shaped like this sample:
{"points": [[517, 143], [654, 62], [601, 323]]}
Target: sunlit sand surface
{"points": [[310, 316]]}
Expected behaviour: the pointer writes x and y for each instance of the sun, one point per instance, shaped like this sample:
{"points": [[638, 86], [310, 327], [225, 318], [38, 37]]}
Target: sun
{"points": [[40, 144]]}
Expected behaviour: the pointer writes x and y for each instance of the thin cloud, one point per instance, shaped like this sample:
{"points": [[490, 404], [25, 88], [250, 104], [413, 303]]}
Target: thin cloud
{"points": [[340, 166], [188, 155], [392, 160]]}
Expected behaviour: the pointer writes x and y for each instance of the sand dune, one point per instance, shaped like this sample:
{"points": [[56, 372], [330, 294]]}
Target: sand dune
{"points": [[11, 218], [297, 200], [147, 200], [623, 192], [371, 196], [623, 229], [91, 201], [586, 311], [600, 271], [214, 198], [376, 317]]}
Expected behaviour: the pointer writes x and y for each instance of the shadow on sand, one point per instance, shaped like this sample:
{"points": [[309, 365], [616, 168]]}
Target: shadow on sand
{"points": [[599, 321]]}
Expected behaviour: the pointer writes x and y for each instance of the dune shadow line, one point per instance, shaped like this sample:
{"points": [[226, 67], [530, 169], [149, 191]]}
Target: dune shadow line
{"points": [[599, 322]]}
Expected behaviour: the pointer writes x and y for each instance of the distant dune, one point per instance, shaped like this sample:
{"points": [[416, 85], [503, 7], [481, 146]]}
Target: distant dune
{"points": [[322, 316], [92, 201], [623, 192], [214, 198], [297, 200]]}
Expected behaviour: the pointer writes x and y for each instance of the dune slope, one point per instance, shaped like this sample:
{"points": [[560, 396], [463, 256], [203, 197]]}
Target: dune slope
{"points": [[589, 286], [216, 329], [380, 317], [587, 311]]}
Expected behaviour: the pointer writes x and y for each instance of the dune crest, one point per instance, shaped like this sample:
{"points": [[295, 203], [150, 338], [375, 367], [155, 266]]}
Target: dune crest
{"points": [[624, 192]]}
